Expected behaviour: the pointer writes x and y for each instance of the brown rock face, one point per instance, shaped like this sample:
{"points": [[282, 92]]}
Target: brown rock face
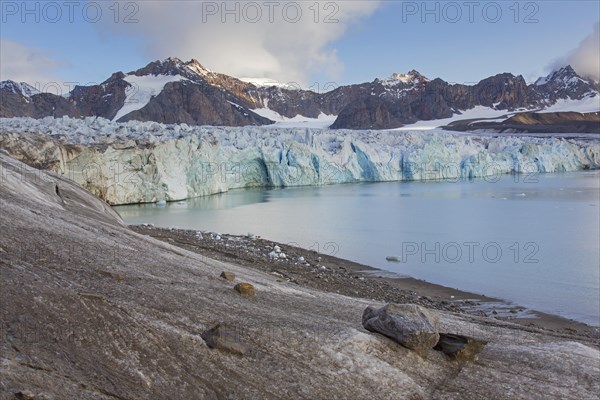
{"points": [[37, 106], [103, 100], [431, 100], [554, 118], [196, 104]]}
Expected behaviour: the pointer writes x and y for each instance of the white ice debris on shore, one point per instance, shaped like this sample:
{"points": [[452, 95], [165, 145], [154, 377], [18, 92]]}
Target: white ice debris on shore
{"points": [[146, 161]]}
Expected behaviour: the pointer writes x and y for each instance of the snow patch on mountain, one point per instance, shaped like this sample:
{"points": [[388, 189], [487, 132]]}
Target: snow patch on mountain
{"points": [[142, 89], [323, 121], [198, 68], [266, 82], [588, 104], [478, 112], [411, 78]]}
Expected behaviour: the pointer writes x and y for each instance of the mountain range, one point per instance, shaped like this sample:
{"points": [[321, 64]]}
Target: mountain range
{"points": [[172, 91]]}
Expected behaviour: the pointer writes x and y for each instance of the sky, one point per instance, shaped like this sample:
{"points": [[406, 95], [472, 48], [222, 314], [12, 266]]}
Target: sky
{"points": [[317, 44]]}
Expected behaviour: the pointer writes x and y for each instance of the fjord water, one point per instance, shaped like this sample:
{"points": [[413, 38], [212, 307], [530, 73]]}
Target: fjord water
{"points": [[532, 240]]}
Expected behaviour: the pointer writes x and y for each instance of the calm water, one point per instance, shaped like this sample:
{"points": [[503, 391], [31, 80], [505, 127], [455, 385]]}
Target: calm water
{"points": [[534, 241]]}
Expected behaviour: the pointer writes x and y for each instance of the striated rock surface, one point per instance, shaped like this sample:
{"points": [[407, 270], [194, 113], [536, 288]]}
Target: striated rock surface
{"points": [[68, 333]]}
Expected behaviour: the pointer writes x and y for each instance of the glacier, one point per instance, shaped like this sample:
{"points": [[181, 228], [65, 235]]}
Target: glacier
{"points": [[142, 162]]}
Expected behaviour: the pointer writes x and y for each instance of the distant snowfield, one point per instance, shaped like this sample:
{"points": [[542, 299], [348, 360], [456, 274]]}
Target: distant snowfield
{"points": [[585, 105], [478, 112], [266, 82], [323, 121], [142, 89]]}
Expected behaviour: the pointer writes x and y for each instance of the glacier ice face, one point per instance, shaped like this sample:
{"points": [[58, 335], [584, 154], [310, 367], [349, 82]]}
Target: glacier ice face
{"points": [[137, 162]]}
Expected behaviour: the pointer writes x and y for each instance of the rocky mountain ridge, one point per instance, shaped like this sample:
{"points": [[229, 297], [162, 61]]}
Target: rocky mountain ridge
{"points": [[172, 91]]}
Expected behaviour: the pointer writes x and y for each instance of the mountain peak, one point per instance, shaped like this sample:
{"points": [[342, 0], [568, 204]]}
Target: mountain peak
{"points": [[195, 66], [413, 76], [411, 79], [21, 88], [565, 74], [173, 66], [568, 69]]}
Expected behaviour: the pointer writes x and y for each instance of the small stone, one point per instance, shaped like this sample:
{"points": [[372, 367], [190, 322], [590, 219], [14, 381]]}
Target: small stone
{"points": [[458, 347], [245, 289], [111, 274], [230, 276], [25, 395], [224, 338]]}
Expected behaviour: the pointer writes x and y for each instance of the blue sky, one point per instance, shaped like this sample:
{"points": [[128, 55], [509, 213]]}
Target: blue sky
{"points": [[369, 40]]}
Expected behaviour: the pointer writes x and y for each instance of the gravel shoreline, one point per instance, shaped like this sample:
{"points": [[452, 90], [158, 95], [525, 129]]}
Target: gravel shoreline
{"points": [[320, 271]]}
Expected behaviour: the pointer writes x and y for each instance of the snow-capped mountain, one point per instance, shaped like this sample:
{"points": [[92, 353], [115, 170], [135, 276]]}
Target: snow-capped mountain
{"points": [[412, 78], [562, 84], [174, 91], [21, 88]]}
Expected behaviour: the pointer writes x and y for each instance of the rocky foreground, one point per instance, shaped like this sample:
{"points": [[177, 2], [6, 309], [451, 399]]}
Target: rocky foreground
{"points": [[90, 309]]}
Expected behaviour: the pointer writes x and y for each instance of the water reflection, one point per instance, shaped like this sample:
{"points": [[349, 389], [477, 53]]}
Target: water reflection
{"points": [[554, 219]]}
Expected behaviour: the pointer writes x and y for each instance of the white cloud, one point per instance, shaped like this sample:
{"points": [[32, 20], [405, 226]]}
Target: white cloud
{"points": [[24, 64], [585, 59], [272, 47]]}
